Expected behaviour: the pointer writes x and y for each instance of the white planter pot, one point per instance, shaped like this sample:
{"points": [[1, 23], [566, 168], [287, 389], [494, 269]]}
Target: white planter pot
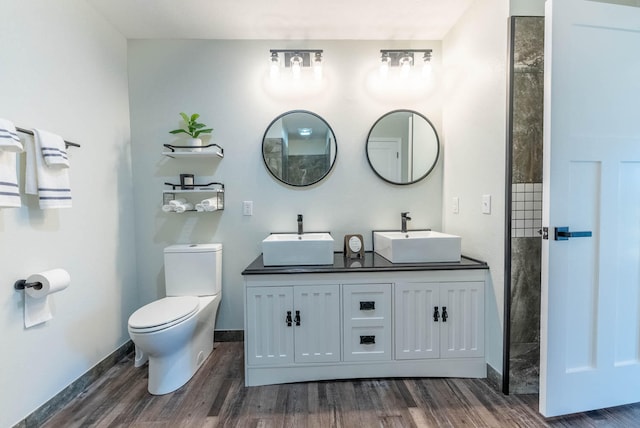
{"points": [[195, 144]]}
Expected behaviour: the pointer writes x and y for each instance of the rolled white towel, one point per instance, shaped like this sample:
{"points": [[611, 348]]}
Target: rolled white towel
{"points": [[167, 208], [200, 208], [210, 203], [178, 201], [184, 207]]}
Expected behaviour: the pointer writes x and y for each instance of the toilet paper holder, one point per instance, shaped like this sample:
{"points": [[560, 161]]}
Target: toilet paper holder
{"points": [[21, 284]]}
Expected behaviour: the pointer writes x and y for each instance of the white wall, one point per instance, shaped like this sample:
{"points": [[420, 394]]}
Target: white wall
{"points": [[227, 82], [474, 123], [64, 70], [527, 7]]}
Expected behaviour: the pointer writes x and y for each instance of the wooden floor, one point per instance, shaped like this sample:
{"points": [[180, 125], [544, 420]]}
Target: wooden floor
{"points": [[216, 397]]}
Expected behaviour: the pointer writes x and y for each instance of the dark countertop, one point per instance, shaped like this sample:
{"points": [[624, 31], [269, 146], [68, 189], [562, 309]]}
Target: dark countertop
{"points": [[372, 262]]}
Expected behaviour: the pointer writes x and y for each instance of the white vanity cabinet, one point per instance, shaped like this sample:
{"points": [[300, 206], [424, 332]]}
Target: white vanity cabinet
{"points": [[439, 320], [293, 324], [375, 320]]}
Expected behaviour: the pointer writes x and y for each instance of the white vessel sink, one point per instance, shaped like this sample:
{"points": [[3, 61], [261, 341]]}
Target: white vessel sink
{"points": [[417, 246], [291, 249]]}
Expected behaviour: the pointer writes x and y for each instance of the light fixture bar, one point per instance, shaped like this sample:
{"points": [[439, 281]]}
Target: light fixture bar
{"points": [[305, 54], [395, 55]]}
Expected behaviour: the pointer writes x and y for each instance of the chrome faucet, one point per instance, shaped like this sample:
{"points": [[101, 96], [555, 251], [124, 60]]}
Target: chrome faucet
{"points": [[300, 232], [404, 218]]}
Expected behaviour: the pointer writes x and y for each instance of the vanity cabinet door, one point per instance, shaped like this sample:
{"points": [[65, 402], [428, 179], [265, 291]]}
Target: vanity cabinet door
{"points": [[439, 320], [462, 335], [417, 334], [317, 337], [269, 335]]}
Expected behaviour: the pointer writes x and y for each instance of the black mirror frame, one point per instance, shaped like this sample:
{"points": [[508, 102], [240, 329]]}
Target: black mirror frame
{"points": [[437, 151], [335, 143]]}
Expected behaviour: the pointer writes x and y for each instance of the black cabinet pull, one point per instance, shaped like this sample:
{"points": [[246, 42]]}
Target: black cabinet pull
{"points": [[297, 318], [436, 314], [367, 306], [367, 340], [288, 319], [444, 314]]}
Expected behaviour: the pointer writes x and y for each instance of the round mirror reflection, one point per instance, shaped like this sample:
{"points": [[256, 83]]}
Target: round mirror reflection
{"points": [[299, 148], [402, 147]]}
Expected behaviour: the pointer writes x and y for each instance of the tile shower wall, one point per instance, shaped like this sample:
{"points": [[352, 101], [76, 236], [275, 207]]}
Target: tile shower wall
{"points": [[526, 202], [526, 212]]}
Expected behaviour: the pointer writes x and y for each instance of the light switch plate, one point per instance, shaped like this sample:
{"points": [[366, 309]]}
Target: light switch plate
{"points": [[247, 207], [455, 206], [486, 204]]}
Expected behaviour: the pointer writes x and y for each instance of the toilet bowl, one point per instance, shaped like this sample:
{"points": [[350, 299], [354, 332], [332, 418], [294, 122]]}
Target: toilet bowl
{"points": [[176, 346], [175, 333]]}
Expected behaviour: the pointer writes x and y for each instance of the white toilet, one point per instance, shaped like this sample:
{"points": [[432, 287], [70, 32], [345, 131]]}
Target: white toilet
{"points": [[175, 334]]}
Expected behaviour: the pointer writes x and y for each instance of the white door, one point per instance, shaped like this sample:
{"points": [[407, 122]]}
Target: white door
{"points": [[590, 325], [317, 323], [385, 155]]}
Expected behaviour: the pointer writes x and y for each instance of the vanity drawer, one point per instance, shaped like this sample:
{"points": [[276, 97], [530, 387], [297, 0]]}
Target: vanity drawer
{"points": [[366, 322], [367, 343], [366, 301]]}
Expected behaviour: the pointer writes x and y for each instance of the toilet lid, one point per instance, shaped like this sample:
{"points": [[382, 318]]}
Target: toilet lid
{"points": [[163, 311]]}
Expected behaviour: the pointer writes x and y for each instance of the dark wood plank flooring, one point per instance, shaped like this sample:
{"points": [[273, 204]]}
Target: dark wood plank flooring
{"points": [[217, 397]]}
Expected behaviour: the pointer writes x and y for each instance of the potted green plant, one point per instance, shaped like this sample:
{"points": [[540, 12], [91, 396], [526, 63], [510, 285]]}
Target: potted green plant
{"points": [[193, 129]]}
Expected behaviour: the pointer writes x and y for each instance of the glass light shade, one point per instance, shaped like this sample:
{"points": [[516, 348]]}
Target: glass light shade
{"points": [[296, 66], [317, 67], [405, 66], [274, 68], [426, 64], [426, 68], [384, 66]]}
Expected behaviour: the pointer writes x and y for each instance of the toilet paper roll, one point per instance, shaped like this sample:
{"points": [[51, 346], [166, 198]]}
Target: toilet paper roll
{"points": [[36, 300], [52, 281]]}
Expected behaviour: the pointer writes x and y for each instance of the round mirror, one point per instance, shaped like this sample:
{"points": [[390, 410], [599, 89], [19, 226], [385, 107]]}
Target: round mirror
{"points": [[299, 148], [402, 147]]}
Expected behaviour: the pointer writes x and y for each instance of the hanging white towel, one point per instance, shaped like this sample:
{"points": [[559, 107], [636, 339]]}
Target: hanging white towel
{"points": [[54, 151], [9, 194], [52, 185], [9, 140], [9, 145]]}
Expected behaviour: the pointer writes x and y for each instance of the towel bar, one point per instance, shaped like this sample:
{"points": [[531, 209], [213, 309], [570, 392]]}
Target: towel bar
{"points": [[21, 284], [29, 132]]}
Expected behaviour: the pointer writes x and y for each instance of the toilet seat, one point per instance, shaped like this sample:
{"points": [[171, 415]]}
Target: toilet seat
{"points": [[163, 313]]}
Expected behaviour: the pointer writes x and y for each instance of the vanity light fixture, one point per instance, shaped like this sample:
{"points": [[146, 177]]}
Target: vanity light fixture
{"points": [[274, 62], [405, 59], [317, 65], [385, 60], [305, 132], [297, 60], [426, 64], [296, 66]]}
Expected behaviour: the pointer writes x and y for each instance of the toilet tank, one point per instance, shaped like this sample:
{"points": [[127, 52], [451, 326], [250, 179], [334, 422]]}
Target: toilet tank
{"points": [[193, 269]]}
